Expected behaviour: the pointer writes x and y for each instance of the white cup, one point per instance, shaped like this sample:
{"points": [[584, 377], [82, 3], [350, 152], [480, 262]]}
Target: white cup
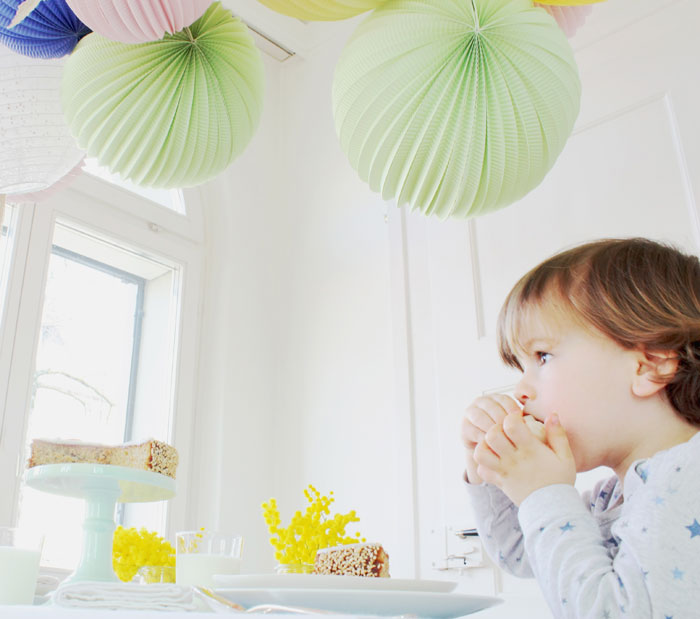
{"points": [[20, 553], [201, 554]]}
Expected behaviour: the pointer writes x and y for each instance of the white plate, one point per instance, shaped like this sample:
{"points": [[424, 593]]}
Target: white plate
{"points": [[322, 581], [378, 603]]}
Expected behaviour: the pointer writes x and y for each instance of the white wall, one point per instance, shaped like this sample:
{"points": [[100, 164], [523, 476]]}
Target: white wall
{"points": [[336, 417], [233, 432], [297, 370], [306, 367]]}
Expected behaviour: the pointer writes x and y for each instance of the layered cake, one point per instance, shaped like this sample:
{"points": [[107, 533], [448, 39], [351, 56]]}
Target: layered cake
{"points": [[353, 560], [150, 455]]}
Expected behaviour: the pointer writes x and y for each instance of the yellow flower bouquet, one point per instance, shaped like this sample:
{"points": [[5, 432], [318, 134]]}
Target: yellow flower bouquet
{"points": [[133, 549], [307, 533]]}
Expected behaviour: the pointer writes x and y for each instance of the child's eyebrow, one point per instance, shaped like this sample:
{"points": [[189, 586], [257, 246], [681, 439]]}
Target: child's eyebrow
{"points": [[537, 343]]}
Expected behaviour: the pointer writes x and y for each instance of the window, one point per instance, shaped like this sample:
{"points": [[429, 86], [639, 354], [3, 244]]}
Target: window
{"points": [[8, 217], [89, 383], [103, 349], [169, 198]]}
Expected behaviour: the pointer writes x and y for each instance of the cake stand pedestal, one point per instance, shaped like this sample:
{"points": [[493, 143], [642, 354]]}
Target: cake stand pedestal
{"points": [[102, 486]]}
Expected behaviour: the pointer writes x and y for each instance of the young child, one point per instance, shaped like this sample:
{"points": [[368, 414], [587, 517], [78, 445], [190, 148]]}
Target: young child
{"points": [[607, 338]]}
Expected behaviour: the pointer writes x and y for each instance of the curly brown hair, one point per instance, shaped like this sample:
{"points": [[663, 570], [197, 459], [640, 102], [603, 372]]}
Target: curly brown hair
{"points": [[640, 293]]}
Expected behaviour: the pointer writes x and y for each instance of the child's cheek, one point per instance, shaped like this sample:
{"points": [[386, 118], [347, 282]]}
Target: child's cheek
{"points": [[579, 453]]}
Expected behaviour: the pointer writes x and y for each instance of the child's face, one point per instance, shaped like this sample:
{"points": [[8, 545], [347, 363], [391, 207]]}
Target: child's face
{"points": [[585, 378]]}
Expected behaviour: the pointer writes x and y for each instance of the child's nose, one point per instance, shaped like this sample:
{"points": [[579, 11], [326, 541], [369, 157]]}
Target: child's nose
{"points": [[523, 392]]}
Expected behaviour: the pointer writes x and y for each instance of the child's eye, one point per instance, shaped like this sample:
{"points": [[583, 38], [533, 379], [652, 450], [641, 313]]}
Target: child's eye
{"points": [[542, 357]]}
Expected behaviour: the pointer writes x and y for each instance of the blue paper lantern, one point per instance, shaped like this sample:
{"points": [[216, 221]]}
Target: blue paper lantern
{"points": [[51, 30]]}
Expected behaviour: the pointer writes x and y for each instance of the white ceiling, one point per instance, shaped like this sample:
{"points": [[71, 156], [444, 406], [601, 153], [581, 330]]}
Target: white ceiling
{"points": [[280, 36]]}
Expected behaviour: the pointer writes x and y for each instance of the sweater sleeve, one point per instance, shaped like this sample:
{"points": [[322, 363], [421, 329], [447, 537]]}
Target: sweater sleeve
{"points": [[499, 529], [652, 570]]}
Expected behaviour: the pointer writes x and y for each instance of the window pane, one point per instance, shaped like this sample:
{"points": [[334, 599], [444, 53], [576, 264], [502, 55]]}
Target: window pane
{"points": [[77, 385], [88, 361]]}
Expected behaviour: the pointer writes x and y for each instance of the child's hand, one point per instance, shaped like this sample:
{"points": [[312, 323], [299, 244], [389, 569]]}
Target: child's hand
{"points": [[481, 415], [513, 459]]}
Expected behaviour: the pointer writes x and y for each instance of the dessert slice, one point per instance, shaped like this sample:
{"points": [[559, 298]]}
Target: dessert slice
{"points": [[150, 455], [353, 560]]}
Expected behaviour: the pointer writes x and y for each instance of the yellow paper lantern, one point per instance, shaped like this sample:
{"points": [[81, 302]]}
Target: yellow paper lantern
{"points": [[322, 10]]}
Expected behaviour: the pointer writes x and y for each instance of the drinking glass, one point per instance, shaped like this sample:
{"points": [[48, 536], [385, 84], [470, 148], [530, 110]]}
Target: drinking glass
{"points": [[20, 552], [201, 554]]}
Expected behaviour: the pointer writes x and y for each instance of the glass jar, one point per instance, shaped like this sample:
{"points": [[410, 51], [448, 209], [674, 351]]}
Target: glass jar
{"points": [[295, 568], [156, 574]]}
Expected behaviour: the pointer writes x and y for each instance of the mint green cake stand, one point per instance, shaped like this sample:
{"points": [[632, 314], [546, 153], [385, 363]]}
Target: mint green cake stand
{"points": [[102, 486]]}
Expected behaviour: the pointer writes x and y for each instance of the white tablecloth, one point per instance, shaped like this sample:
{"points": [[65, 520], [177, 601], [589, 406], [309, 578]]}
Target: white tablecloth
{"points": [[44, 612], [507, 610], [512, 608]]}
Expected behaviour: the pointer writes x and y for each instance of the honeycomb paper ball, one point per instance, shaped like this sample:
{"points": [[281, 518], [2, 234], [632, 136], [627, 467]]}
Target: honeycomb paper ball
{"points": [[36, 146], [45, 194], [322, 10], [569, 18], [169, 113], [138, 21], [455, 108], [569, 2], [51, 30]]}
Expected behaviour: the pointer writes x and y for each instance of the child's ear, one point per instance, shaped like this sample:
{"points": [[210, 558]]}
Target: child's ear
{"points": [[655, 369]]}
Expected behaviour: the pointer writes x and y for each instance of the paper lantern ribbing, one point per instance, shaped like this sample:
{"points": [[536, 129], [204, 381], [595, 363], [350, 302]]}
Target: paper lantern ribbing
{"points": [[51, 30], [44, 194], [138, 21], [456, 108], [36, 146], [169, 113], [322, 10], [569, 2], [569, 18]]}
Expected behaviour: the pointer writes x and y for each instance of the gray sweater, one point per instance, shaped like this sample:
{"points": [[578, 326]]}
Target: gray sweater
{"points": [[608, 554]]}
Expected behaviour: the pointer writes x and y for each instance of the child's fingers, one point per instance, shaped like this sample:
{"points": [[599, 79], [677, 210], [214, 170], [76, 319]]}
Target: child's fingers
{"points": [[516, 430], [470, 433], [488, 410], [509, 404], [478, 418], [489, 476], [484, 456], [556, 437], [497, 441], [475, 424]]}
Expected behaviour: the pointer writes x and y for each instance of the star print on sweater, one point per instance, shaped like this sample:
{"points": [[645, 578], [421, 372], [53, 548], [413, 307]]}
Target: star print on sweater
{"points": [[609, 553], [694, 528]]}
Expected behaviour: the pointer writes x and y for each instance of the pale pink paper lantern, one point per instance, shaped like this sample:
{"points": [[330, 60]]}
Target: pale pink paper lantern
{"points": [[138, 21], [569, 18]]}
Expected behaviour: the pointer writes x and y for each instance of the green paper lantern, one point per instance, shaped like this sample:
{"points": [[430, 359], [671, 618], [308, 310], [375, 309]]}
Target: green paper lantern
{"points": [[569, 2], [169, 113], [455, 107], [321, 10]]}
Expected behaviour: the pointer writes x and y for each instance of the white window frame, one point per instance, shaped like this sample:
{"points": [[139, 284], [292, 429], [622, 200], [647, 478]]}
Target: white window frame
{"points": [[140, 225]]}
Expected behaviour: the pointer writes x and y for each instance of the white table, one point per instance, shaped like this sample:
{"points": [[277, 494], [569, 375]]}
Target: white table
{"points": [[508, 610], [45, 612]]}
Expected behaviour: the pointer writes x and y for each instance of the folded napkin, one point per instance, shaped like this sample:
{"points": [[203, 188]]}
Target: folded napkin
{"points": [[157, 596], [45, 584]]}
